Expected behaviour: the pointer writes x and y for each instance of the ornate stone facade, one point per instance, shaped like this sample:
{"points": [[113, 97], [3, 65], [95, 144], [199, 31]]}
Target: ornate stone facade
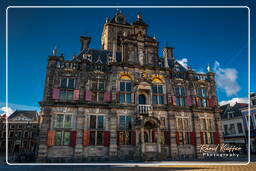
{"points": [[124, 101]]}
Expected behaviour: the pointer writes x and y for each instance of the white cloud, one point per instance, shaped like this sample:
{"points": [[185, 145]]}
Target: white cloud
{"points": [[184, 62], [233, 101], [226, 79], [6, 110]]}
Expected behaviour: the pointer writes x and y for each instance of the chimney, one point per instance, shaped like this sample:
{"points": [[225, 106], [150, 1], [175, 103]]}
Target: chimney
{"points": [[168, 52], [85, 41]]}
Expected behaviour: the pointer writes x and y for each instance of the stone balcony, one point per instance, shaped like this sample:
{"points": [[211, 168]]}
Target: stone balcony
{"points": [[144, 109]]}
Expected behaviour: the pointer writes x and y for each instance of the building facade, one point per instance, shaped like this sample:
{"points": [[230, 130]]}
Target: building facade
{"points": [[233, 126], [252, 119], [23, 131], [124, 101]]}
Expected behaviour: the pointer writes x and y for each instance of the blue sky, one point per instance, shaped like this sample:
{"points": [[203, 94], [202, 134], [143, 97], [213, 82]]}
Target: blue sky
{"points": [[200, 36]]}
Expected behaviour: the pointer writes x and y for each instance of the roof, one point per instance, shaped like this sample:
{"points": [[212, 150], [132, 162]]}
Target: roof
{"points": [[31, 115], [227, 109]]}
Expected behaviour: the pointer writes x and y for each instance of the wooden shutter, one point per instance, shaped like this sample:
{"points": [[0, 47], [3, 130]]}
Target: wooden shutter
{"points": [[55, 93], [216, 137], [193, 138], [76, 95], [106, 138], [88, 95], [118, 97], [86, 138], [167, 137], [177, 138], [133, 137], [117, 138], [51, 138], [165, 99], [202, 137], [73, 138], [188, 101], [197, 101], [107, 96], [174, 100]]}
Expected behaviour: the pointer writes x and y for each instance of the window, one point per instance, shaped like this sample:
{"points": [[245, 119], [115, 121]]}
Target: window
{"points": [[34, 126], [208, 137], [12, 126], [4, 134], [62, 138], [183, 124], [67, 85], [202, 97], [158, 94], [226, 129], [20, 126], [125, 122], [125, 92], [63, 121], [19, 134], [232, 129], [240, 128], [98, 88], [180, 93], [26, 134], [11, 134], [96, 126], [206, 124], [184, 138], [125, 125]]}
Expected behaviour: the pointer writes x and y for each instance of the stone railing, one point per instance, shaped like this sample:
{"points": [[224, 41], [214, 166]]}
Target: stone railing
{"points": [[144, 109]]}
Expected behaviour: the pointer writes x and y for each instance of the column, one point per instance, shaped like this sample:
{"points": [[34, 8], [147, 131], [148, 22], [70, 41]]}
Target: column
{"points": [[79, 127], [158, 141], [142, 140], [113, 136], [43, 134], [198, 136], [173, 144]]}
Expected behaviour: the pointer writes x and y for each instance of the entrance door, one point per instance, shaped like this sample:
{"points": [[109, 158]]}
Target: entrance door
{"points": [[142, 99]]}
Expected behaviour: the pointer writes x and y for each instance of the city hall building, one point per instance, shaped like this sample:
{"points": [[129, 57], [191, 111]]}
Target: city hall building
{"points": [[125, 101]]}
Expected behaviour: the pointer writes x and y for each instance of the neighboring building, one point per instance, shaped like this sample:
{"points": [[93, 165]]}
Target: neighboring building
{"points": [[23, 130], [124, 101], [233, 125], [2, 133], [252, 119]]}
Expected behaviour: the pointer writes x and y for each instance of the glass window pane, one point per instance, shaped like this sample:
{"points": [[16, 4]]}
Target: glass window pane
{"points": [[94, 85], [92, 121], [58, 138], [160, 89], [122, 98], [128, 122], [92, 137], [122, 86], [177, 92], [101, 86], [62, 95], [100, 97], [122, 122], [128, 98], [161, 99], [59, 121], [154, 89], [99, 138], [70, 95], [154, 99], [71, 83], [67, 123], [66, 138], [182, 91], [63, 83], [100, 122], [128, 86]]}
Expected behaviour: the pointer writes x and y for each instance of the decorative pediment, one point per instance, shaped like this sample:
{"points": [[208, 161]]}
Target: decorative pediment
{"points": [[20, 118]]}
